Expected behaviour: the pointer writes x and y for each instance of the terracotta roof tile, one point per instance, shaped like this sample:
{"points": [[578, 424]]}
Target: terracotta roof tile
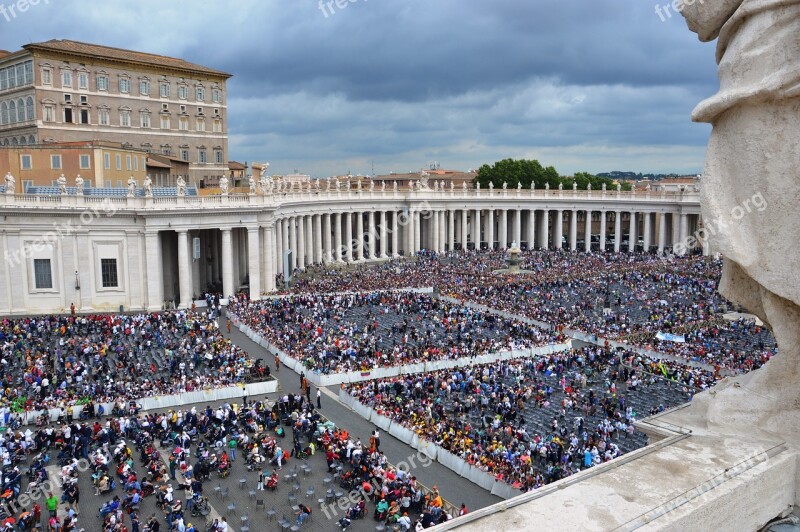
{"points": [[119, 54]]}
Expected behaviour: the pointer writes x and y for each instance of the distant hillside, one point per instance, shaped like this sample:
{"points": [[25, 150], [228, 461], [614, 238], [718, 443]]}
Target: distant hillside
{"points": [[627, 176]]}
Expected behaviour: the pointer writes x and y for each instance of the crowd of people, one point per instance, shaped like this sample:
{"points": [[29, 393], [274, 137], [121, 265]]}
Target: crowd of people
{"points": [[533, 421], [362, 331], [625, 297], [56, 362]]}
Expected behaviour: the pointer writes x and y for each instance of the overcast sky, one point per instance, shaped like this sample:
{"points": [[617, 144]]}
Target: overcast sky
{"points": [[591, 85]]}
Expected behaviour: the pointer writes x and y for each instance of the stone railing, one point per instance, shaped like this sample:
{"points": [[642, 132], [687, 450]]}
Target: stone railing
{"points": [[314, 196]]}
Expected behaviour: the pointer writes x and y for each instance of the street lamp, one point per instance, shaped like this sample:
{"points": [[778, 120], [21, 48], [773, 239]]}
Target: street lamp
{"points": [[77, 281]]}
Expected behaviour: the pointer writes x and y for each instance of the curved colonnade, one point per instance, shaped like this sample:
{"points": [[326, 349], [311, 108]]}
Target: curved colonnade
{"points": [[137, 253]]}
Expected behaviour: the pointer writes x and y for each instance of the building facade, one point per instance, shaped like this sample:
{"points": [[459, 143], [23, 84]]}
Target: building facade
{"points": [[147, 252], [100, 164], [66, 91]]}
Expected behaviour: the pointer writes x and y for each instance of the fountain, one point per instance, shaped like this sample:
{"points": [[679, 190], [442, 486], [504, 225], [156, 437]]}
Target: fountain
{"points": [[513, 261]]}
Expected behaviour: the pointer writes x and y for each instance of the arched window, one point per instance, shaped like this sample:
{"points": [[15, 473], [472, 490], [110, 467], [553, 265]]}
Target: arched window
{"points": [[29, 108], [3, 113], [32, 139], [13, 141], [5, 142], [12, 112], [20, 110], [23, 141]]}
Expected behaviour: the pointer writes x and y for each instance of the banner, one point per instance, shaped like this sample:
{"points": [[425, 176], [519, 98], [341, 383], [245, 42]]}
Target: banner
{"points": [[667, 337]]}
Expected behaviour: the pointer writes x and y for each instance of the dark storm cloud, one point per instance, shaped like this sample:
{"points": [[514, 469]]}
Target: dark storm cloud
{"points": [[400, 82]]}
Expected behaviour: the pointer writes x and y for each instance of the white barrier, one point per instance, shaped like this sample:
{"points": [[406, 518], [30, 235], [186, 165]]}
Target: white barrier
{"points": [[382, 422], [169, 401]]}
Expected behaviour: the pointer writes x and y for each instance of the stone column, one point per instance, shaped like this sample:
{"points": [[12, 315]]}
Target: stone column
{"points": [[359, 236], [464, 227], [602, 230], [254, 261], [155, 276], [451, 230], [417, 231], [617, 231], [327, 255], [558, 229], [309, 239], [269, 257], [284, 236], [476, 229], [442, 231], [184, 269], [647, 231], [318, 255], [503, 229], [632, 236], [337, 242], [662, 232], [278, 258], [348, 237], [384, 235], [434, 231], [227, 263], [293, 243], [301, 243], [490, 229], [573, 230], [587, 231], [518, 227], [684, 234], [544, 235], [531, 229], [408, 233], [395, 234]]}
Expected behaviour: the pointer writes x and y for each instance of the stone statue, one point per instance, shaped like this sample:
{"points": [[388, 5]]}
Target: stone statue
{"points": [[383, 186], [519, 185], [452, 186], [394, 186], [589, 187], [491, 186], [11, 183], [131, 187], [252, 184], [264, 168], [328, 184], [547, 186], [505, 185], [464, 185], [424, 176], [316, 185], [633, 187], [223, 185], [574, 185], [561, 186], [436, 186], [148, 187], [749, 190], [358, 185], [347, 184], [338, 185], [477, 186], [371, 185], [79, 185], [181, 186], [62, 184], [619, 187]]}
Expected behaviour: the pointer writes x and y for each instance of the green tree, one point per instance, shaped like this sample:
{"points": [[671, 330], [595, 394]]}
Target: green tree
{"points": [[514, 171]]}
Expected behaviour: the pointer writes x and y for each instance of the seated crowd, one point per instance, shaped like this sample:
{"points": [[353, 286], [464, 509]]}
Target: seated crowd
{"points": [[350, 332], [60, 361], [625, 297], [530, 422]]}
